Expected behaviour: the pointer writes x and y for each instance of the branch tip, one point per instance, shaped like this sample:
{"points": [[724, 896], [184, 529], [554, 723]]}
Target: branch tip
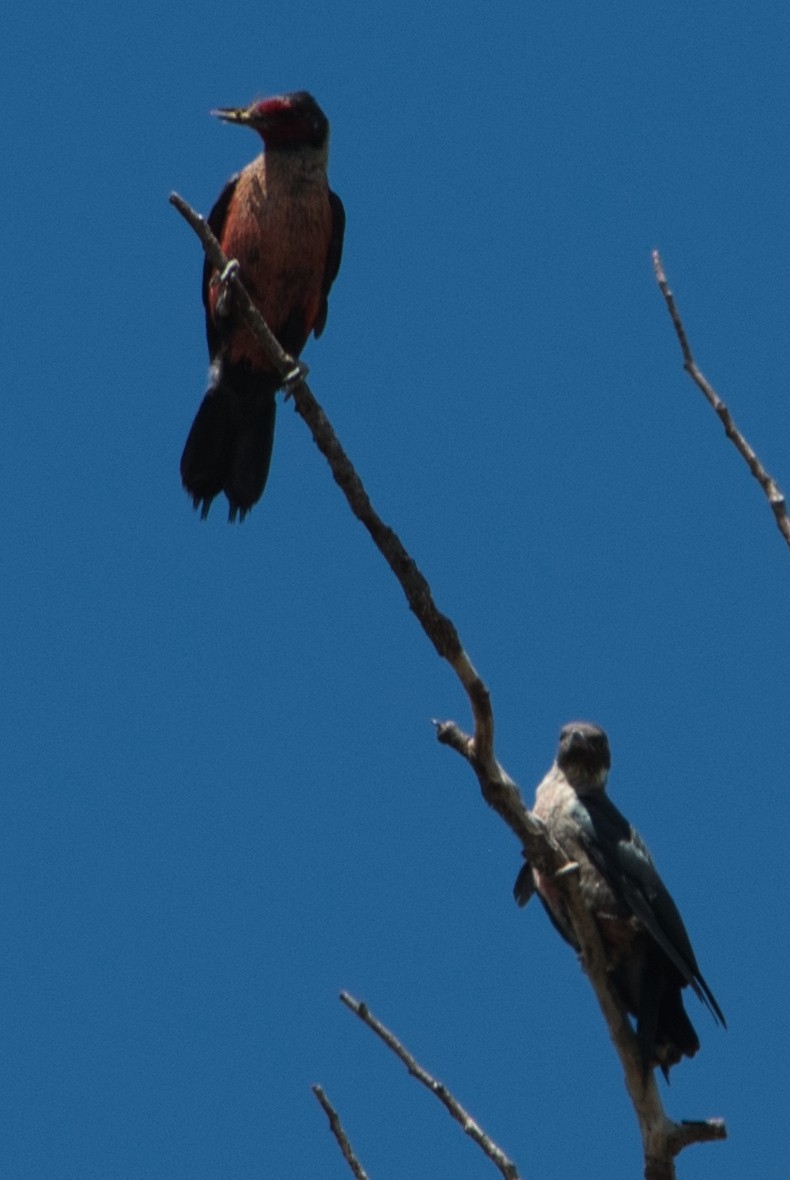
{"points": [[337, 1130], [769, 486]]}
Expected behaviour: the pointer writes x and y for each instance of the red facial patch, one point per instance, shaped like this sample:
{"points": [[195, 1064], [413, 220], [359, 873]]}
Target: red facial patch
{"points": [[271, 106]]}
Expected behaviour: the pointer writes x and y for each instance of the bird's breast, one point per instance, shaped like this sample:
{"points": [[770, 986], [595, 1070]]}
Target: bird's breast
{"points": [[280, 235]]}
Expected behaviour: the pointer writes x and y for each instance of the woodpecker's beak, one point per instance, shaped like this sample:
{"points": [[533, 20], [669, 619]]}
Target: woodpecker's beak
{"points": [[233, 114]]}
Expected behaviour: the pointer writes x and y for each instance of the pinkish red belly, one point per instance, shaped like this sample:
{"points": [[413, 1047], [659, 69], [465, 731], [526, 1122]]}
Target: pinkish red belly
{"points": [[282, 253]]}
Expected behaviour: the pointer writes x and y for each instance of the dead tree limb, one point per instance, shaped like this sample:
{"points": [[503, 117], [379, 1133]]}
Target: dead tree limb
{"points": [[773, 492], [662, 1139]]}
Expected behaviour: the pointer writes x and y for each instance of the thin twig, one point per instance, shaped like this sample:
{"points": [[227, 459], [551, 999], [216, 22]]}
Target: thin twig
{"points": [[771, 489], [662, 1139], [450, 1103], [342, 1139]]}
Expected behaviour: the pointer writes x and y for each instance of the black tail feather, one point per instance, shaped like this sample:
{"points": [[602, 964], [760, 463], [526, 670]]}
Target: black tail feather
{"points": [[229, 447], [675, 1034], [651, 989]]}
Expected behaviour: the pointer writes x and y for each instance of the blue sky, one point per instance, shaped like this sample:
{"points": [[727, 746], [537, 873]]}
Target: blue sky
{"points": [[222, 801]]}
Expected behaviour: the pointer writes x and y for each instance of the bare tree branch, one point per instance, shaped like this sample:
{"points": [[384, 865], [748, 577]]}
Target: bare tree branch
{"points": [[451, 1104], [662, 1139], [337, 1130], [772, 491]]}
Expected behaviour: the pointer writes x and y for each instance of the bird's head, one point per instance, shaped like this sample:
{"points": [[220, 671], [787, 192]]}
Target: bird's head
{"points": [[285, 121], [583, 755]]}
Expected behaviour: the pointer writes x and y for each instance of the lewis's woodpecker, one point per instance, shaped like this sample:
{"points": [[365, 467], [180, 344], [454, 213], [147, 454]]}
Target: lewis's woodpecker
{"points": [[648, 951], [283, 224]]}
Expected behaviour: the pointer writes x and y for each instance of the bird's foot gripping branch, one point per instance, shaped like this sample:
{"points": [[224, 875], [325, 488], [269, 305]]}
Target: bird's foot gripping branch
{"points": [[297, 376], [222, 282]]}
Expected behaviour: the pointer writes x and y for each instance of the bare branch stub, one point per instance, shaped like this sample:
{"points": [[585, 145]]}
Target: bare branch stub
{"points": [[773, 493], [336, 1128], [450, 1103]]}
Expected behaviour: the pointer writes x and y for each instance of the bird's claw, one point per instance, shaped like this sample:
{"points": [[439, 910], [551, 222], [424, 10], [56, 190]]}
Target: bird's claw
{"points": [[294, 378], [230, 270], [571, 867], [222, 280]]}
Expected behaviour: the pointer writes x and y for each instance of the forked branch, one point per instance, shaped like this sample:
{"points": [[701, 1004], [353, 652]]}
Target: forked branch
{"points": [[662, 1139], [448, 1101]]}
